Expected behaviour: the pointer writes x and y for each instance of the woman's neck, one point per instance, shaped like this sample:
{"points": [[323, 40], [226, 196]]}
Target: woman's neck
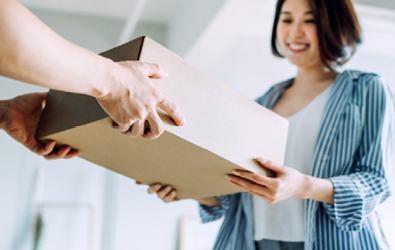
{"points": [[313, 76]]}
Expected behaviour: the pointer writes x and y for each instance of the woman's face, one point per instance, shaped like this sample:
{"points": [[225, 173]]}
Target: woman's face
{"points": [[297, 34]]}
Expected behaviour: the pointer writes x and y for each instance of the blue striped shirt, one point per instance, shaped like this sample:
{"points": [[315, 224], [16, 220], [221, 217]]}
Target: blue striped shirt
{"points": [[353, 150]]}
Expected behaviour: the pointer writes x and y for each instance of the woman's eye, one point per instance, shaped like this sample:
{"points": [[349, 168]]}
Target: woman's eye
{"points": [[310, 21], [287, 21]]}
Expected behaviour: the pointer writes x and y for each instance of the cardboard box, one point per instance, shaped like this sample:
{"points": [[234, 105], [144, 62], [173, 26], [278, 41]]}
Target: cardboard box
{"points": [[224, 131]]}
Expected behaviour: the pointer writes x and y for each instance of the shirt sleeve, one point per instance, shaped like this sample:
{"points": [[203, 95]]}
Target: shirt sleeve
{"points": [[208, 213], [358, 194]]}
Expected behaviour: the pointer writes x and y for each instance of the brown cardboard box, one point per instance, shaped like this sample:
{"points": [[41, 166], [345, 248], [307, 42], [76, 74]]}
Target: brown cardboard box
{"points": [[224, 131]]}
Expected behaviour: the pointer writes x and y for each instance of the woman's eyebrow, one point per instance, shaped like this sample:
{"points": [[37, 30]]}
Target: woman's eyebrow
{"points": [[285, 12]]}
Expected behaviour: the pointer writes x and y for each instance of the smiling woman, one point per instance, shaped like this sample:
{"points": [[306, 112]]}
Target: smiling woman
{"points": [[338, 35], [341, 129]]}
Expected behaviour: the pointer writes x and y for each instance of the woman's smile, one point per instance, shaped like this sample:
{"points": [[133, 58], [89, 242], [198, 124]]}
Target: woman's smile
{"points": [[298, 47]]}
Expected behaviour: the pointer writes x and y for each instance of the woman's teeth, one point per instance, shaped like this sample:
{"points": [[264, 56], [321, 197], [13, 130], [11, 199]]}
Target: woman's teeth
{"points": [[298, 47]]}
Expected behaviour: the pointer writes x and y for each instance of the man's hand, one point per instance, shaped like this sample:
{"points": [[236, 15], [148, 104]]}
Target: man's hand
{"points": [[123, 89], [132, 99], [19, 117]]}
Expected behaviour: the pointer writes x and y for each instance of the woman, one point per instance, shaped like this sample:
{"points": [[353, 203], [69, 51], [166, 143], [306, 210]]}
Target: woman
{"points": [[338, 148]]}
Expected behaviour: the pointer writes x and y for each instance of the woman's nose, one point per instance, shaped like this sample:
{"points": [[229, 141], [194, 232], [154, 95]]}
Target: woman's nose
{"points": [[296, 30]]}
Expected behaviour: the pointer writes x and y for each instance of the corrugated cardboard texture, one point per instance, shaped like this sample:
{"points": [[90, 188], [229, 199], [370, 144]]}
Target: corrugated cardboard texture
{"points": [[224, 131]]}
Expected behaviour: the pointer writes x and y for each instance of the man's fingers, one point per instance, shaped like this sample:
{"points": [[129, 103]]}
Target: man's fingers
{"points": [[156, 127], [71, 154], [44, 149], [121, 128], [174, 112], [43, 97], [153, 70], [61, 153], [137, 129]]}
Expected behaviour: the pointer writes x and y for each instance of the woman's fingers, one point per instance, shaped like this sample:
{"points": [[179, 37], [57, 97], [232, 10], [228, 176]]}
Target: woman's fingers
{"points": [[260, 179], [154, 188], [245, 183], [253, 192], [276, 168], [248, 185], [165, 193], [170, 197]]}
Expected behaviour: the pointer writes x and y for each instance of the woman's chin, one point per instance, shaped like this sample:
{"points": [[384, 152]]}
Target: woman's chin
{"points": [[298, 63], [302, 63]]}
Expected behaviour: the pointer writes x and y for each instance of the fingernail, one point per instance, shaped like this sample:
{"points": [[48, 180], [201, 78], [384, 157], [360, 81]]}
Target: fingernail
{"points": [[173, 192], [168, 188], [157, 186], [235, 172], [228, 177]]}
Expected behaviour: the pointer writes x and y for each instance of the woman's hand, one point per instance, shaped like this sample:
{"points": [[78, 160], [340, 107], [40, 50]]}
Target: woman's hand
{"points": [[165, 193], [19, 117], [287, 183]]}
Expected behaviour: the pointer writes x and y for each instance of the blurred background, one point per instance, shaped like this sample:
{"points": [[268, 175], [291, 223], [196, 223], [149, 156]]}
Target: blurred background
{"points": [[74, 204]]}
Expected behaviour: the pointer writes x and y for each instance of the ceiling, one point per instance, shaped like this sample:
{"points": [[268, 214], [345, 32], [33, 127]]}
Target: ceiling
{"points": [[156, 11]]}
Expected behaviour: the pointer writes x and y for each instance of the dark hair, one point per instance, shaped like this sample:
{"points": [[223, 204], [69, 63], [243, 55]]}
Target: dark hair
{"points": [[338, 30]]}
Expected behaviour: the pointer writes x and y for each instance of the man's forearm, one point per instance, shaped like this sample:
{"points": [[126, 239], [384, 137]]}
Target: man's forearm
{"points": [[33, 53]]}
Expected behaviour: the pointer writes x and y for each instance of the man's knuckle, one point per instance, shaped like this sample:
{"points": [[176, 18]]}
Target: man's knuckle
{"points": [[150, 108], [140, 115]]}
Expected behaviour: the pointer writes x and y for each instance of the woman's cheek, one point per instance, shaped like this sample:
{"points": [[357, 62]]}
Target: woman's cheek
{"points": [[281, 36]]}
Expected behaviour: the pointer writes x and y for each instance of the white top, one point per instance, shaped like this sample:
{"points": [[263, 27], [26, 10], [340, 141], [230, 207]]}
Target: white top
{"points": [[284, 221]]}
